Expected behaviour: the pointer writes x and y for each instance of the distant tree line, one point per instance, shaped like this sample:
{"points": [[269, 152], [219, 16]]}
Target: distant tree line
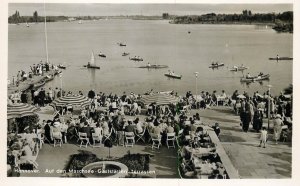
{"points": [[35, 18], [282, 21]]}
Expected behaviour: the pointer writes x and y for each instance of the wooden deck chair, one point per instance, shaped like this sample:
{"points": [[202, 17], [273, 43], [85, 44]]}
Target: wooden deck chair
{"points": [[129, 139], [84, 139], [171, 140], [140, 136], [97, 140]]}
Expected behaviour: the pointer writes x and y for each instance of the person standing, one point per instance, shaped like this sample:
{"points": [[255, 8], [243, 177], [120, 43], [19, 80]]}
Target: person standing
{"points": [[277, 127], [263, 137]]}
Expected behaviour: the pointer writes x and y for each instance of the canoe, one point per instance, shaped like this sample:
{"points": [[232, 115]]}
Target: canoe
{"points": [[217, 65], [239, 69], [280, 58], [154, 66], [89, 66], [121, 44], [173, 76], [255, 78]]}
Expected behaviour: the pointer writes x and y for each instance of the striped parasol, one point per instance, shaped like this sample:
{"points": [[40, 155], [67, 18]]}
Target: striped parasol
{"points": [[18, 110], [159, 99], [74, 100]]}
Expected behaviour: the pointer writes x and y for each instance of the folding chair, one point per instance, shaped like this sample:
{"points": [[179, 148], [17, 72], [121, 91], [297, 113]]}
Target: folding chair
{"points": [[108, 136], [83, 138], [171, 138], [213, 103], [140, 136], [129, 139], [156, 140], [97, 140], [57, 140]]}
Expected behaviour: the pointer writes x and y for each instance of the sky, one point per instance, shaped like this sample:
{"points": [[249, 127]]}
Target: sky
{"points": [[92, 9]]}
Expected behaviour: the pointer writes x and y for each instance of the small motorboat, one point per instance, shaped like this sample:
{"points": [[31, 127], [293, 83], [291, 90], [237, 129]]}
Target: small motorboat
{"points": [[154, 66], [125, 54], [238, 68], [216, 65], [121, 44], [189, 32], [101, 54], [61, 66], [136, 59], [173, 75]]}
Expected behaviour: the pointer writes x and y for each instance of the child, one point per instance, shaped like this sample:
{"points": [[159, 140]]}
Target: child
{"points": [[263, 137]]}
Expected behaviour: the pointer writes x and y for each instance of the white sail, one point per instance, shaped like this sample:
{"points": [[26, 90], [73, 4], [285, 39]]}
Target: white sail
{"points": [[92, 62]]}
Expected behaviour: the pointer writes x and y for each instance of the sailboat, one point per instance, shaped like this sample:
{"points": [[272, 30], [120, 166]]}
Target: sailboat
{"points": [[91, 63], [80, 22], [27, 24]]}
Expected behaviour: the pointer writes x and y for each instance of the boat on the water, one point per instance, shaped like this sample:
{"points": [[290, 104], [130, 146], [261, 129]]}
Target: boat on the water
{"points": [[125, 54], [173, 75], [280, 58], [238, 68], [38, 84], [49, 78], [79, 22], [27, 24], [154, 66], [216, 65], [121, 44], [136, 58], [255, 78], [91, 63], [101, 54], [61, 66]]}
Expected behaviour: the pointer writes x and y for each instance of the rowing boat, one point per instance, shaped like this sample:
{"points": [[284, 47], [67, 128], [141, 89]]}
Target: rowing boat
{"points": [[255, 78], [240, 68], [173, 76], [216, 65], [154, 66], [280, 58]]}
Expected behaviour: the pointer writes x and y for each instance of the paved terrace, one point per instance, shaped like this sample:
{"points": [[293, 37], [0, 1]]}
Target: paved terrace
{"points": [[249, 160]]}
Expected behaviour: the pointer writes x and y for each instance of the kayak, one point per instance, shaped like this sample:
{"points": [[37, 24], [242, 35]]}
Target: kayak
{"points": [[154, 66], [216, 65], [241, 68], [173, 76], [256, 78], [280, 58]]}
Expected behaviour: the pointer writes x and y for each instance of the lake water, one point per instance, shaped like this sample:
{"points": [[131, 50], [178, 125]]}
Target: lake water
{"points": [[158, 42]]}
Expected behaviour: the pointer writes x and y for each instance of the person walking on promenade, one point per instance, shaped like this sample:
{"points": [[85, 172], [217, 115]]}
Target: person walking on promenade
{"points": [[277, 127], [263, 137]]}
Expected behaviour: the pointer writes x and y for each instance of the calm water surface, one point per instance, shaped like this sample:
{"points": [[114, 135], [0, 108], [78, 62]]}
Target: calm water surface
{"points": [[158, 42]]}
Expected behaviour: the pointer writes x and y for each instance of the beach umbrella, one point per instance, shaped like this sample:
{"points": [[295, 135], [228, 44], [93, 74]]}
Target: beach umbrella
{"points": [[74, 100], [19, 110], [241, 96], [159, 99]]}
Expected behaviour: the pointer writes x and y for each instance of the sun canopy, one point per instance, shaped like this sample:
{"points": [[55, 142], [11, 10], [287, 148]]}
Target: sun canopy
{"points": [[74, 100], [19, 110], [159, 99]]}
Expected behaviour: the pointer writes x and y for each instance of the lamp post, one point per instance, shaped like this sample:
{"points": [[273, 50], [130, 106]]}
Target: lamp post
{"points": [[196, 75], [269, 99], [60, 77]]}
